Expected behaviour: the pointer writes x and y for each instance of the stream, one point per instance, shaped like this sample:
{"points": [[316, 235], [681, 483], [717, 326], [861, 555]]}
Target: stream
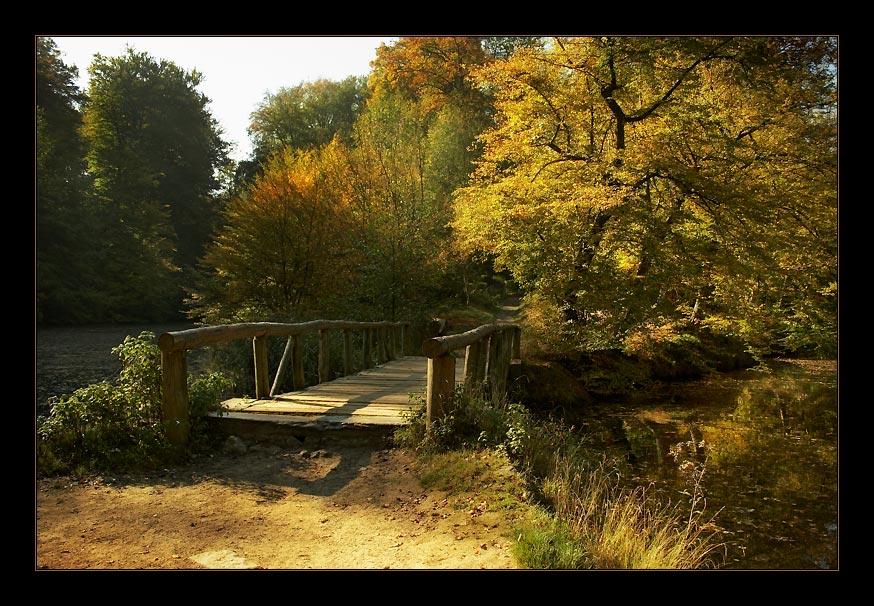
{"points": [[761, 448], [763, 445]]}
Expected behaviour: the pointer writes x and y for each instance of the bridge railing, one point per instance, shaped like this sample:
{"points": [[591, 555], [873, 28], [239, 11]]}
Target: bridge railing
{"points": [[382, 341], [489, 350]]}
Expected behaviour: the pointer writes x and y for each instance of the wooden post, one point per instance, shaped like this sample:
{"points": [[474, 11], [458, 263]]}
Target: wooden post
{"points": [[403, 350], [262, 380], [497, 377], [517, 343], [368, 355], [347, 352], [390, 343], [324, 356], [381, 350], [174, 388], [482, 361], [441, 382], [297, 363], [491, 357], [473, 358], [505, 356]]}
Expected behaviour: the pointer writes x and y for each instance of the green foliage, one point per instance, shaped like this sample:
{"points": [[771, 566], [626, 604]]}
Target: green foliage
{"points": [[119, 426], [107, 425], [153, 154], [533, 444], [205, 394], [305, 116], [474, 423], [501, 47], [63, 225], [126, 182]]}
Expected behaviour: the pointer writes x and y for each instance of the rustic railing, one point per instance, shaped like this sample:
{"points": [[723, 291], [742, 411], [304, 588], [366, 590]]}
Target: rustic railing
{"points": [[382, 341], [489, 351]]}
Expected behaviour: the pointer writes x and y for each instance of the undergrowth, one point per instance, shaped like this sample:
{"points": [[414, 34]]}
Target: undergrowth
{"points": [[118, 426], [569, 509]]}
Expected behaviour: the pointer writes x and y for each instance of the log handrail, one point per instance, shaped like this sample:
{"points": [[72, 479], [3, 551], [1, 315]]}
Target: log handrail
{"points": [[193, 338], [487, 358], [174, 346]]}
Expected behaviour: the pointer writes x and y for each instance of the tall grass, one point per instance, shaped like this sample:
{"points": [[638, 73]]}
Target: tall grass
{"points": [[624, 527]]}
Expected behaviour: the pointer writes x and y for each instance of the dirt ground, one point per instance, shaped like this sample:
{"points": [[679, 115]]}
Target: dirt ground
{"points": [[275, 506]]}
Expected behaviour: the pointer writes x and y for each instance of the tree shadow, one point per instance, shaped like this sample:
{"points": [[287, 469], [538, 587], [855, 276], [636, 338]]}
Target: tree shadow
{"points": [[269, 470]]}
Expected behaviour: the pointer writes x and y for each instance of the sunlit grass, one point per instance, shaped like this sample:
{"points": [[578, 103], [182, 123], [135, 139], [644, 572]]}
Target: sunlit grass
{"points": [[625, 528]]}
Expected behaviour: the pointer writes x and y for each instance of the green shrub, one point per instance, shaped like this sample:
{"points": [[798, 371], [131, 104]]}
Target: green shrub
{"points": [[119, 426], [205, 394]]}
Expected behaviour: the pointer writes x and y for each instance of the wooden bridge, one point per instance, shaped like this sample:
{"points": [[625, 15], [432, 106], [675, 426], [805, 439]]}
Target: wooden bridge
{"points": [[374, 388]]}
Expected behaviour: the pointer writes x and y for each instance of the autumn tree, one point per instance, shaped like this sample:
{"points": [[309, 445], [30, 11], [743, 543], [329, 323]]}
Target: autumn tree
{"points": [[431, 78], [283, 252], [651, 190], [395, 219], [154, 153]]}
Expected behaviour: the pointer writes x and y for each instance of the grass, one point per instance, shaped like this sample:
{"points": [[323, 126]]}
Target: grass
{"points": [[626, 528], [563, 498]]}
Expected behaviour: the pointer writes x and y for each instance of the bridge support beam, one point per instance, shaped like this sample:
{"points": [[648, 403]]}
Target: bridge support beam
{"points": [[262, 378], [441, 383], [174, 388]]}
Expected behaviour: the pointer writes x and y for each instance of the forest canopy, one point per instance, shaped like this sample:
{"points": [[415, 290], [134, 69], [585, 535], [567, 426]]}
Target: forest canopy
{"points": [[643, 193]]}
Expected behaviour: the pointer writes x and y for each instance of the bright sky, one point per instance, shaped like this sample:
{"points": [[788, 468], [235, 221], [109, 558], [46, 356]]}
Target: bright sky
{"points": [[237, 71]]}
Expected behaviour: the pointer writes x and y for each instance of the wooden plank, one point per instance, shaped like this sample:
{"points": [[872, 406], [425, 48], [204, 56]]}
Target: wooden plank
{"points": [[346, 397], [311, 420], [340, 400], [316, 410], [383, 392]]}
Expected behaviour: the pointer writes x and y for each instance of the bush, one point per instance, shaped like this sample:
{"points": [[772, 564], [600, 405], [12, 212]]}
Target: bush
{"points": [[119, 426]]}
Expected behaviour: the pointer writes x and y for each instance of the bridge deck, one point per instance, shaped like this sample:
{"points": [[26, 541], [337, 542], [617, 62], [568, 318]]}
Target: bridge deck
{"points": [[376, 396]]}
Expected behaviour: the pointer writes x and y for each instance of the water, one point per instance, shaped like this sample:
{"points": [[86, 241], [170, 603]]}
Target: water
{"points": [[66, 359], [767, 444]]}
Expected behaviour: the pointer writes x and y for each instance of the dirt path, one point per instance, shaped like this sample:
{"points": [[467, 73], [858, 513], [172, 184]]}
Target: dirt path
{"points": [[510, 308], [273, 507]]}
